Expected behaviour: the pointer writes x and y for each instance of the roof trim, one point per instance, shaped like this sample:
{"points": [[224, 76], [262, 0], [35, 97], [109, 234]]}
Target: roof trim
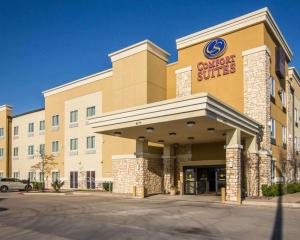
{"points": [[5, 107], [139, 47], [79, 82], [261, 15], [29, 112], [293, 71]]}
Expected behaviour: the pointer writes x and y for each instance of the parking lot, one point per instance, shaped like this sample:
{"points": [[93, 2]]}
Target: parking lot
{"points": [[108, 216]]}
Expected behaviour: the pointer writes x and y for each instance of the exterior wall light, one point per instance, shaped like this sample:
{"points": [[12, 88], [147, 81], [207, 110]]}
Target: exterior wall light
{"points": [[150, 129], [117, 134], [190, 123], [210, 129], [141, 138], [172, 134]]}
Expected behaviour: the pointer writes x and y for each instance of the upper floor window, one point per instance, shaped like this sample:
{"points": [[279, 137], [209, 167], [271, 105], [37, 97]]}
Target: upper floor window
{"points": [[42, 149], [55, 120], [16, 131], [273, 128], [90, 142], [1, 152], [296, 115], [74, 116], [283, 98], [272, 87], [1, 132], [283, 131], [91, 111], [31, 127], [16, 152], [30, 150], [42, 125], [55, 146], [73, 144]]}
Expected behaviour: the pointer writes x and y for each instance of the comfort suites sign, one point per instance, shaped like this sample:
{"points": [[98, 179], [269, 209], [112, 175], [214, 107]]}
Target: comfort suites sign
{"points": [[217, 64]]}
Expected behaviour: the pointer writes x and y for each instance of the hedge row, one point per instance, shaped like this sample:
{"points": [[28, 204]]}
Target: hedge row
{"points": [[280, 189]]}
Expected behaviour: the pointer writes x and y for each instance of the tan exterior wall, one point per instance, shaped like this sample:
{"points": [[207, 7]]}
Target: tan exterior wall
{"points": [[5, 123], [277, 113], [228, 88]]}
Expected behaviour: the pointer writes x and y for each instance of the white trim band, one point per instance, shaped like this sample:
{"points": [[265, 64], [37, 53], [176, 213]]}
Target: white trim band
{"points": [[256, 50], [139, 47], [183, 70], [77, 83], [247, 20]]}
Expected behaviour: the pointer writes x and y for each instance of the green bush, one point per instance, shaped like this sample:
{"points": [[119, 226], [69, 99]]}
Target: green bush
{"points": [[273, 190], [57, 185], [37, 185], [107, 186], [280, 189], [293, 187]]}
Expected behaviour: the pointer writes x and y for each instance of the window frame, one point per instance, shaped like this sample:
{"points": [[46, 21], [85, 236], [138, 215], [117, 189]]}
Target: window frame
{"points": [[55, 143], [29, 150], [89, 110], [73, 140], [55, 120], [75, 112], [92, 142], [43, 125], [31, 127], [273, 128]]}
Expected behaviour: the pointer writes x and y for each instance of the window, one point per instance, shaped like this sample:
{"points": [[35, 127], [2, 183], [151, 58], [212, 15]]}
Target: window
{"points": [[30, 150], [42, 149], [283, 131], [283, 98], [16, 131], [1, 132], [296, 115], [42, 125], [273, 129], [91, 111], [272, 87], [1, 152], [41, 177], [16, 152], [31, 176], [55, 120], [55, 176], [31, 127], [90, 142], [73, 144], [17, 175], [74, 116], [273, 171], [55, 146]]}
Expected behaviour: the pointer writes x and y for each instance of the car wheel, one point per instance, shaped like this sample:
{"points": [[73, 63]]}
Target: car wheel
{"points": [[4, 189], [28, 188]]}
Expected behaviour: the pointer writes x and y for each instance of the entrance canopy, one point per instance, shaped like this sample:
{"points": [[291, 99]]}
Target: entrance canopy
{"points": [[193, 119]]}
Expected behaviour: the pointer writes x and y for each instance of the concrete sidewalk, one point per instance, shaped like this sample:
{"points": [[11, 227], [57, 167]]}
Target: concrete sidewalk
{"points": [[288, 200]]}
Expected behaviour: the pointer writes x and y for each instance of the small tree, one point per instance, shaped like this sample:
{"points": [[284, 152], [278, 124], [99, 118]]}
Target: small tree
{"points": [[45, 166]]}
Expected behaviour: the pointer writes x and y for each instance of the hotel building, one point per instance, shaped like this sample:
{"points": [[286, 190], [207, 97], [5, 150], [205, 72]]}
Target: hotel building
{"points": [[226, 114]]}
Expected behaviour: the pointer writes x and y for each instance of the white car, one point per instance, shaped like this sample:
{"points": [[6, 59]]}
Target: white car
{"points": [[7, 184]]}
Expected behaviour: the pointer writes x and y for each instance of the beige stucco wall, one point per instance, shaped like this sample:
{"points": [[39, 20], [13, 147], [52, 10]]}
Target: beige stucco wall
{"points": [[83, 159], [23, 163]]}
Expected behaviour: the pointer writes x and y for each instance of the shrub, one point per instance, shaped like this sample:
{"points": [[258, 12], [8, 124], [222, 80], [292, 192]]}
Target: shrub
{"points": [[37, 185], [107, 186], [273, 190], [57, 185], [293, 187]]}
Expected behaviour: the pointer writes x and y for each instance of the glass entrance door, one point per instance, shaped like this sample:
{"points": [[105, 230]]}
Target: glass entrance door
{"points": [[190, 181], [200, 180]]}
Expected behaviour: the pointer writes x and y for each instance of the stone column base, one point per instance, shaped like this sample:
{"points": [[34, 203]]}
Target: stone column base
{"points": [[253, 175], [264, 169], [233, 174]]}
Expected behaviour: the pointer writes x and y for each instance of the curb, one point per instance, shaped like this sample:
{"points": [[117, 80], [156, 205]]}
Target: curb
{"points": [[271, 204]]}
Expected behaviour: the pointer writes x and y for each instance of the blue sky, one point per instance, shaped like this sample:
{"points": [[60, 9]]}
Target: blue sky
{"points": [[47, 43]]}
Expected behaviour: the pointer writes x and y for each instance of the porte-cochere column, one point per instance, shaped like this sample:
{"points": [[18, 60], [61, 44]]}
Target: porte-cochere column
{"points": [[233, 166]]}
